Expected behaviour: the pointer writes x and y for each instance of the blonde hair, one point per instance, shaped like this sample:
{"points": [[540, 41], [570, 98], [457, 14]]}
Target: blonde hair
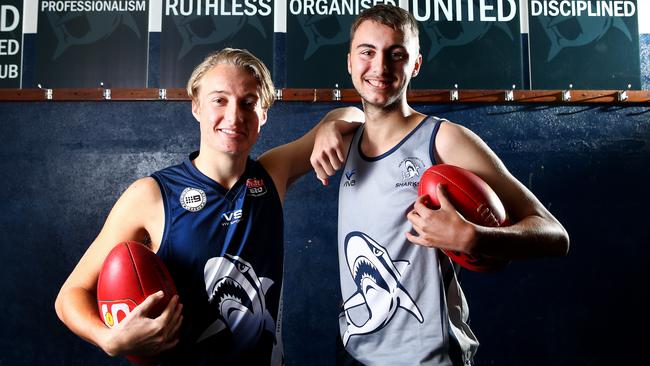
{"points": [[240, 58]]}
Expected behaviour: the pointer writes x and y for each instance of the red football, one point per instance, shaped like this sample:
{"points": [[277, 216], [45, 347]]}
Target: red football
{"points": [[130, 273], [474, 199]]}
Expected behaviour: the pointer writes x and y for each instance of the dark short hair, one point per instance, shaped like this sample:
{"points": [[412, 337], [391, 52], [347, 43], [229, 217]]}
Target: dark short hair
{"points": [[388, 15]]}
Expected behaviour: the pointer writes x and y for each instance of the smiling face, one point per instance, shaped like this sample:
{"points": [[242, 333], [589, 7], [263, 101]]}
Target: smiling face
{"points": [[228, 109], [381, 62]]}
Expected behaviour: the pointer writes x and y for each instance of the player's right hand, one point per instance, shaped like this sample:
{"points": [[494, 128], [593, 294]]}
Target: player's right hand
{"points": [[328, 154], [138, 334]]}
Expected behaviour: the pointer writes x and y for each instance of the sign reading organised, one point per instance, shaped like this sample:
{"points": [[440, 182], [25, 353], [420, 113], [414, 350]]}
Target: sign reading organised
{"points": [[475, 44], [10, 43], [589, 44], [82, 43], [318, 37], [470, 43], [191, 29]]}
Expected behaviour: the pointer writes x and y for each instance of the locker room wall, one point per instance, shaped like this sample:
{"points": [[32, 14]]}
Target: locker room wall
{"points": [[65, 163]]}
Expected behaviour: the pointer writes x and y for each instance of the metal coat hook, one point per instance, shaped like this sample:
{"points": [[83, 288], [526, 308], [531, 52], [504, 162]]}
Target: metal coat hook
{"points": [[566, 94], [622, 94], [510, 94], [336, 93], [453, 94], [48, 92], [162, 94], [107, 91]]}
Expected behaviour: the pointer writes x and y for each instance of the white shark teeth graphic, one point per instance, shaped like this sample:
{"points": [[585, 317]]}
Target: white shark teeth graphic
{"points": [[378, 285], [238, 295]]}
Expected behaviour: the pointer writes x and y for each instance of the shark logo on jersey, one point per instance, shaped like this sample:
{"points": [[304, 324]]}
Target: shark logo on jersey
{"points": [[564, 32], [82, 28], [459, 33], [378, 286], [196, 30], [324, 30], [238, 295], [410, 168]]}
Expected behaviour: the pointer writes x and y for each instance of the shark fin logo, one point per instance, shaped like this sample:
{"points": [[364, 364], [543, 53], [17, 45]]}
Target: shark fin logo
{"points": [[83, 28], [198, 30], [324, 30], [379, 290], [564, 32], [238, 296], [460, 33]]}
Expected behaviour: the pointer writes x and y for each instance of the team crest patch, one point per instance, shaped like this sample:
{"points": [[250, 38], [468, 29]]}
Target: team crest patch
{"points": [[193, 199], [410, 169], [255, 187]]}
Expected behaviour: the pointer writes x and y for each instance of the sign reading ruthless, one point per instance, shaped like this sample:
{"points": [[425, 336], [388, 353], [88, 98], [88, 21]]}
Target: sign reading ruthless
{"points": [[82, 43], [191, 29], [589, 44], [10, 44]]}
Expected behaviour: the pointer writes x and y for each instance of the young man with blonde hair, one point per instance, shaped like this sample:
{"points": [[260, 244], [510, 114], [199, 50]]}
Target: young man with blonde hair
{"points": [[216, 221]]}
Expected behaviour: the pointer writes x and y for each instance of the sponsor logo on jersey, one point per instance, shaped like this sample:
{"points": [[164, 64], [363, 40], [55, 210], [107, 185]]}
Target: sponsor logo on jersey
{"points": [[256, 187], [410, 169], [349, 181], [232, 217], [193, 199]]}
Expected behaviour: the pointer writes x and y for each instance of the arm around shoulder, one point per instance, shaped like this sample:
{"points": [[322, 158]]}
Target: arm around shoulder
{"points": [[288, 162]]}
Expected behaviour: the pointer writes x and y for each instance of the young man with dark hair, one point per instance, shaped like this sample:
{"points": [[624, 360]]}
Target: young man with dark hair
{"points": [[402, 302]]}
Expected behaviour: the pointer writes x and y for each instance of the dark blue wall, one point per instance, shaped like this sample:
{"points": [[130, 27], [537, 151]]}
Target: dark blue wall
{"points": [[64, 164]]}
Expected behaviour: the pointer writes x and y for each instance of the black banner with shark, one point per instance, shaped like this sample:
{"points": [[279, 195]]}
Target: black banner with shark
{"points": [[591, 44], [474, 44], [83, 43], [10, 43], [318, 36], [191, 29]]}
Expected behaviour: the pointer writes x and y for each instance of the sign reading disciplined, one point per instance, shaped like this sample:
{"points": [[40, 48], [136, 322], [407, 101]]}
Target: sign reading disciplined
{"points": [[588, 44]]}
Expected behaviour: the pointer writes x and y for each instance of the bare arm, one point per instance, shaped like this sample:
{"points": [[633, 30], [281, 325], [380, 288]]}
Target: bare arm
{"points": [[288, 162], [532, 232], [135, 216]]}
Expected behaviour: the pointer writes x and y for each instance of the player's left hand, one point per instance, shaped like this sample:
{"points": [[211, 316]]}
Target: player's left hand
{"points": [[327, 156], [442, 228]]}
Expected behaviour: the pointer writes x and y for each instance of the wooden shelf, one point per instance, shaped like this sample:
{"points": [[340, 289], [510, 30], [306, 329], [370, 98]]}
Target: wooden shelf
{"points": [[343, 95]]}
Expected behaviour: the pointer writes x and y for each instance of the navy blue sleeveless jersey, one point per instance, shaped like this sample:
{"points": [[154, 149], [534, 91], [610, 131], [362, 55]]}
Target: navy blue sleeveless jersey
{"points": [[224, 250]]}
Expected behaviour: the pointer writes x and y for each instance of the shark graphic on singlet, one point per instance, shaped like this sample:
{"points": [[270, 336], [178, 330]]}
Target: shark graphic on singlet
{"points": [[238, 295], [378, 285]]}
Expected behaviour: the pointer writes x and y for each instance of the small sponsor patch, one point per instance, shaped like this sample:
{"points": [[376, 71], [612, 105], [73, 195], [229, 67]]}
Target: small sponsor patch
{"points": [[256, 187], [193, 199]]}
